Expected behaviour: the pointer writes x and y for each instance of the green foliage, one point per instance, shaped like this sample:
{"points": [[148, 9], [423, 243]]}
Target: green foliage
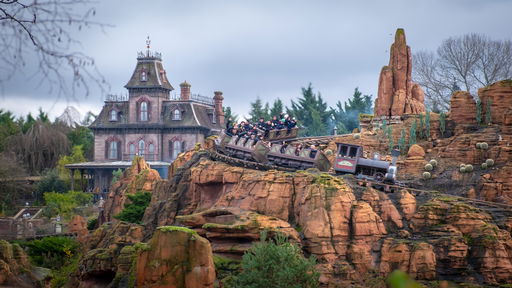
{"points": [[389, 134], [462, 169], [51, 182], [77, 156], [8, 127], [311, 112], [258, 111], [442, 123], [177, 228], [82, 136], [64, 203], [489, 162], [426, 175], [488, 116], [92, 224], [229, 114], [61, 277], [478, 111], [433, 162], [383, 127], [400, 279], [277, 264], [346, 115], [484, 145], [427, 125], [412, 134], [401, 142], [469, 168], [483, 166], [277, 108], [226, 270], [116, 175], [429, 167], [421, 127], [51, 252], [134, 211]]}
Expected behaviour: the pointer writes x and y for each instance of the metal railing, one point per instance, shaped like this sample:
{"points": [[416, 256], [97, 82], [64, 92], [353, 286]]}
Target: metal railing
{"points": [[147, 157], [149, 54], [195, 97], [116, 98]]}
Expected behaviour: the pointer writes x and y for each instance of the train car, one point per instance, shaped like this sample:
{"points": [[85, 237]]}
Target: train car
{"points": [[349, 160], [274, 154]]}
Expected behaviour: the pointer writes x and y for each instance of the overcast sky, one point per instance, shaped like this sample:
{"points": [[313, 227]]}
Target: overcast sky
{"points": [[264, 48]]}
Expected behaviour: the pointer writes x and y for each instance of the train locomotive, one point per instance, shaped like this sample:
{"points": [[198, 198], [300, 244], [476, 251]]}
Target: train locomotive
{"points": [[348, 160]]}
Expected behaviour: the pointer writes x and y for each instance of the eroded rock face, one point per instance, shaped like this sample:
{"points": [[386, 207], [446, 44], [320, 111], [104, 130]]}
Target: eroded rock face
{"points": [[176, 257], [463, 108], [397, 94], [15, 266], [499, 95], [139, 177]]}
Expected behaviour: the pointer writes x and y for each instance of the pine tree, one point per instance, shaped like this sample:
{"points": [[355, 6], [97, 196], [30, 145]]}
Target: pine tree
{"points": [[258, 110], [228, 114], [303, 110], [348, 113], [412, 134], [277, 108]]}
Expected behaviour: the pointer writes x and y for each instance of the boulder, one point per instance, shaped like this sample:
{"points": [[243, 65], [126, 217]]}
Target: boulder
{"points": [[416, 151], [463, 108], [499, 95]]}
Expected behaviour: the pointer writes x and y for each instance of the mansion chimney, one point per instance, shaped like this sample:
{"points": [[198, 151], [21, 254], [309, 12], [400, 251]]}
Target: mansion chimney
{"points": [[185, 91], [218, 107]]}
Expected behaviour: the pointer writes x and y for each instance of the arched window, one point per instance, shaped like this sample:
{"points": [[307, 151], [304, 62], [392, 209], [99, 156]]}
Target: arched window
{"points": [[143, 75], [176, 115], [151, 151], [132, 150], [214, 117], [176, 149], [142, 147], [113, 115], [144, 111], [112, 153]]}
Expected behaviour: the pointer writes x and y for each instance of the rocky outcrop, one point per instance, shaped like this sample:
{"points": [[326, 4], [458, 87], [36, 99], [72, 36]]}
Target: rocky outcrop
{"points": [[175, 257], [15, 267], [397, 94], [139, 177], [78, 225], [499, 96], [418, 259], [462, 108], [415, 161]]}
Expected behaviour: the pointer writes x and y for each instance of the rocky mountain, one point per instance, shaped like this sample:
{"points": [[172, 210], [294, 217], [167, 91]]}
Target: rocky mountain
{"points": [[71, 117]]}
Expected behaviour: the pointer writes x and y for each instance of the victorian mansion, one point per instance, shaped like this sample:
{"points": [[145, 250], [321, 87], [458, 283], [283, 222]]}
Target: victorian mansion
{"points": [[149, 122]]}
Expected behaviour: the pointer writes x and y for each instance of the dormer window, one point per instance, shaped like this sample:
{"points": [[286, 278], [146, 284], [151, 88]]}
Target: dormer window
{"points": [[214, 118], [176, 114], [113, 115], [143, 75], [144, 111]]}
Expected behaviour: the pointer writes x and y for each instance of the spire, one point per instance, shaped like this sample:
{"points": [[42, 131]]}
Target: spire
{"points": [[148, 45]]}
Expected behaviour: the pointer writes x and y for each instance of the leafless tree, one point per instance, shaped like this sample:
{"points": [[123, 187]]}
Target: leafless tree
{"points": [[471, 61], [44, 32]]}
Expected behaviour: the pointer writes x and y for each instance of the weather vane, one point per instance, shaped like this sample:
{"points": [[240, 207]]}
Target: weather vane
{"points": [[148, 43]]}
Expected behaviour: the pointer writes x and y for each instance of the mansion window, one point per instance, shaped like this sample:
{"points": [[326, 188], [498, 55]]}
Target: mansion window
{"points": [[144, 111], [132, 150], [175, 148], [142, 148], [143, 75], [113, 150], [214, 118], [113, 115], [176, 115]]}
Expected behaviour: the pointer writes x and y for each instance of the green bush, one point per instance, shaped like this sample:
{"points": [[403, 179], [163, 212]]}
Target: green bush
{"points": [[51, 252], [483, 166], [484, 146], [462, 169], [478, 145], [429, 167], [64, 203], [469, 168], [50, 182], [116, 175], [277, 264], [489, 162], [427, 175], [433, 162], [92, 224], [134, 211]]}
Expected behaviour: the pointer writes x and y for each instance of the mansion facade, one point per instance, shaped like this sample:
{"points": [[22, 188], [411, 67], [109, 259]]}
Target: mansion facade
{"points": [[149, 122]]}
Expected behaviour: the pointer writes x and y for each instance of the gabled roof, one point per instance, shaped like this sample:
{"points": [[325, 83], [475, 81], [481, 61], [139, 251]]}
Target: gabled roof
{"points": [[151, 65]]}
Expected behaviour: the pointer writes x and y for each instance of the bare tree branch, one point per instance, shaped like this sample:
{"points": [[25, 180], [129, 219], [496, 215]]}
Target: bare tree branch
{"points": [[45, 30]]}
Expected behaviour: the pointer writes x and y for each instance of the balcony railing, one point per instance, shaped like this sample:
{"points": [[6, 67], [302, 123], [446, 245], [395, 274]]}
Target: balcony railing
{"points": [[147, 157], [116, 98], [194, 97]]}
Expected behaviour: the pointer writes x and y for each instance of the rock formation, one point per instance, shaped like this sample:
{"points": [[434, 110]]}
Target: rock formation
{"points": [[397, 94], [463, 108], [15, 267], [499, 95], [176, 257]]}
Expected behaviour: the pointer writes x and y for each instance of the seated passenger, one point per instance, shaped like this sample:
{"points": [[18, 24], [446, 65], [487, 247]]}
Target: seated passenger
{"points": [[313, 152], [298, 149], [283, 147], [231, 132], [261, 124]]}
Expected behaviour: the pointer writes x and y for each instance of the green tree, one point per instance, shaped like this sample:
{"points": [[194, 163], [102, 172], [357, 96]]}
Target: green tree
{"points": [[229, 114], [77, 156], [401, 142], [277, 108], [258, 110], [51, 182], [348, 113], [64, 203], [84, 137], [314, 123], [427, 125], [277, 264], [51, 252], [8, 127], [134, 211], [478, 112], [412, 134]]}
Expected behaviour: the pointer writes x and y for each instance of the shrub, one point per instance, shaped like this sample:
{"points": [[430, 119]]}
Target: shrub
{"points": [[484, 145], [478, 145], [469, 168], [483, 166], [462, 169], [401, 142], [429, 167], [51, 183], [116, 175], [92, 224], [278, 264], [433, 162], [427, 175], [134, 211], [489, 162], [64, 203], [51, 252], [412, 134]]}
